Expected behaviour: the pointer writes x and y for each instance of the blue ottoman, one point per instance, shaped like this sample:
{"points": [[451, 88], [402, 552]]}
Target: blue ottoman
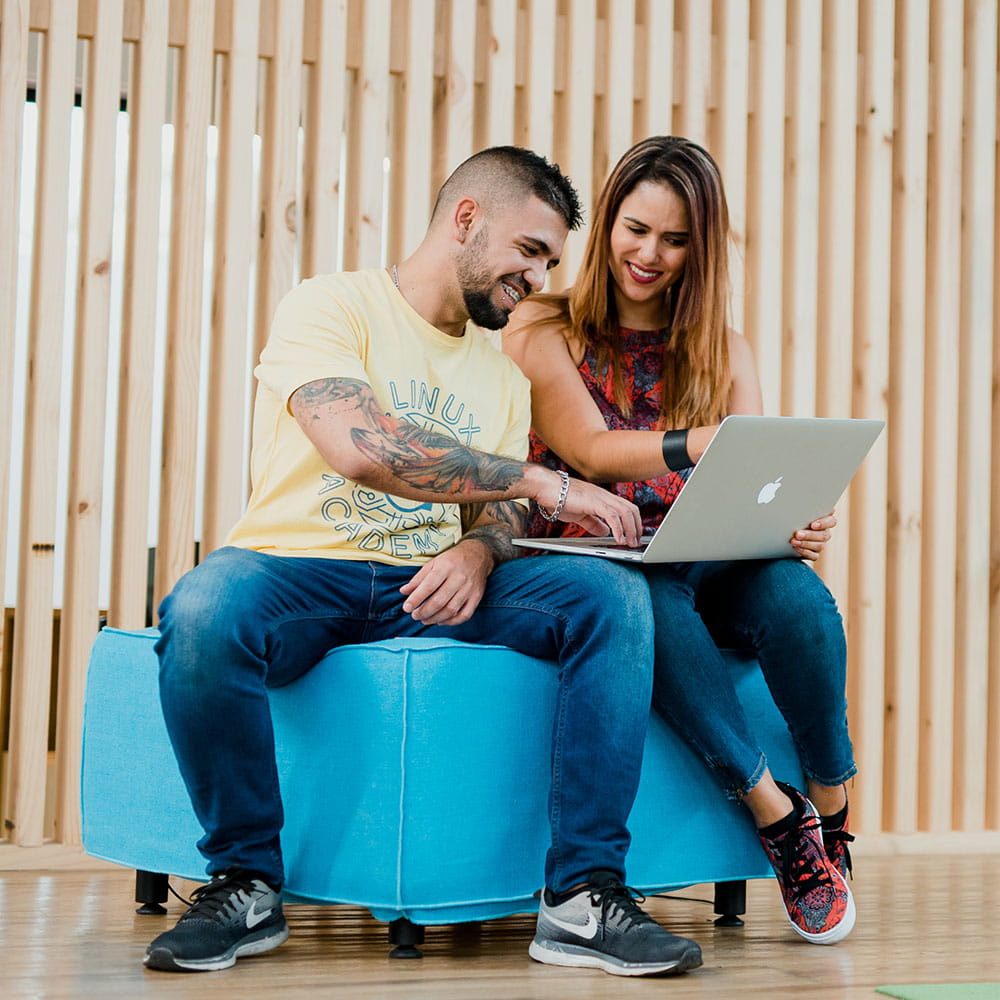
{"points": [[415, 776]]}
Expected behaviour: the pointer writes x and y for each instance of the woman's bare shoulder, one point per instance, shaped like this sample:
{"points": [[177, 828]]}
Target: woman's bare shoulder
{"points": [[736, 340], [536, 325], [549, 314]]}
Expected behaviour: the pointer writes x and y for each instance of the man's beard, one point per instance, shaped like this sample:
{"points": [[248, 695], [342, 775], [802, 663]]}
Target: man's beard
{"points": [[474, 277], [483, 311]]}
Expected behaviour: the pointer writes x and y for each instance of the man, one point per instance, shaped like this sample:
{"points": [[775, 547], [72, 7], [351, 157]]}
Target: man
{"points": [[389, 479]]}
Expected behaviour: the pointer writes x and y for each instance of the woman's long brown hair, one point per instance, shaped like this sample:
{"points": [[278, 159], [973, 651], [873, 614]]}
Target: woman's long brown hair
{"points": [[696, 376]]}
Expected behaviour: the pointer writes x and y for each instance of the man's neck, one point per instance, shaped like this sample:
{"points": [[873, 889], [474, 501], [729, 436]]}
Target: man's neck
{"points": [[419, 282]]}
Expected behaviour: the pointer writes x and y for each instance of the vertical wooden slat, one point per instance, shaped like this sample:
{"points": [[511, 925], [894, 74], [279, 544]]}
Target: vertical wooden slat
{"points": [[412, 179], [360, 142], [279, 166], [619, 87], [940, 517], [373, 141], [541, 74], [147, 89], [225, 478], [906, 408], [501, 63], [992, 797], [32, 653], [13, 82], [838, 144], [576, 108], [765, 165], [655, 37], [324, 127], [975, 413], [86, 500], [350, 180], [696, 67], [460, 75], [599, 155], [866, 610], [801, 213], [175, 548], [729, 124]]}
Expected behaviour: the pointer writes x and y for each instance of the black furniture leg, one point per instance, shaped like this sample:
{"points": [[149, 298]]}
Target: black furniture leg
{"points": [[405, 935], [151, 891], [730, 901]]}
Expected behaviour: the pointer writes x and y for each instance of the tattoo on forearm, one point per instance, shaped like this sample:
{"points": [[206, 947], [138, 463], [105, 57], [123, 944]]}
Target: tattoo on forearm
{"points": [[497, 539], [508, 522], [435, 462], [426, 459], [504, 512], [324, 391]]}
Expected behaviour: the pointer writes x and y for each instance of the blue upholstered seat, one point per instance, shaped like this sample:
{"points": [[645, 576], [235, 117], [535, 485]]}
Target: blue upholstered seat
{"points": [[414, 774]]}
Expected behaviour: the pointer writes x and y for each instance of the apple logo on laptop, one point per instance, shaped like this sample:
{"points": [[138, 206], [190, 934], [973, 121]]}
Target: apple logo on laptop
{"points": [[769, 490]]}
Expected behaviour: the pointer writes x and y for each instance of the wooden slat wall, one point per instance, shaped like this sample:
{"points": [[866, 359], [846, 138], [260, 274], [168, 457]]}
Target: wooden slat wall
{"points": [[859, 145], [228, 379], [147, 90], [81, 605], [26, 778], [193, 106], [13, 81], [906, 405], [835, 295], [977, 418], [939, 515]]}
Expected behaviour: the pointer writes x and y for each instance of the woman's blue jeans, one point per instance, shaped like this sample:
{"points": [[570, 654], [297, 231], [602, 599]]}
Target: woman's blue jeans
{"points": [[780, 611], [243, 621]]}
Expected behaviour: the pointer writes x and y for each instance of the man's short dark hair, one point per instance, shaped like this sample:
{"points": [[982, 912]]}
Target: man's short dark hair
{"points": [[505, 174]]}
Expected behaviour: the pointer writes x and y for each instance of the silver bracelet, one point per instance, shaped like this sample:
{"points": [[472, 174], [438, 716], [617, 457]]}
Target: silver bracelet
{"points": [[561, 502]]}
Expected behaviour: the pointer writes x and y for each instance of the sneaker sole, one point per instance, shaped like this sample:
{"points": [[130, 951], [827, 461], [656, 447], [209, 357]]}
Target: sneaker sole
{"points": [[834, 934], [164, 959], [572, 956]]}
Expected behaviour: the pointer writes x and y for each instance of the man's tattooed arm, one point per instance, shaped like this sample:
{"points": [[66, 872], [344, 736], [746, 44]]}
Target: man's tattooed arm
{"points": [[495, 524], [427, 460], [342, 394], [436, 462], [344, 422]]}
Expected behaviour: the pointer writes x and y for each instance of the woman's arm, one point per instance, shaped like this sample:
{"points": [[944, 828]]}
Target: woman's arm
{"points": [[566, 417], [744, 393]]}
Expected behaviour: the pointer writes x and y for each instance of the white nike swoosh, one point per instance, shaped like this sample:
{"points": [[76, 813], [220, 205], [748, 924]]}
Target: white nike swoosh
{"points": [[587, 930], [254, 918]]}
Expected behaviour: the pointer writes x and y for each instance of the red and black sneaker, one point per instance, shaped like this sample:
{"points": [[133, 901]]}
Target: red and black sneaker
{"points": [[835, 840], [816, 897]]}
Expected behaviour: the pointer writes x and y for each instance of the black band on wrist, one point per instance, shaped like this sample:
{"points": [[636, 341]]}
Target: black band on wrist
{"points": [[675, 453]]}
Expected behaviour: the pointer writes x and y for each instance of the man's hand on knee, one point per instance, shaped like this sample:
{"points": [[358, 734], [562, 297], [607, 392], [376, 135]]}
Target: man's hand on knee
{"points": [[447, 589]]}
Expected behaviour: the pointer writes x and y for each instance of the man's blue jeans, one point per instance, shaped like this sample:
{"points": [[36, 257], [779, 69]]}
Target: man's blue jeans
{"points": [[243, 621], [780, 611]]}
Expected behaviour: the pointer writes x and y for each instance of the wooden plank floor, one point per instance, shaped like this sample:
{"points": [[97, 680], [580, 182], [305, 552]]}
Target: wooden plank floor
{"points": [[930, 918]]}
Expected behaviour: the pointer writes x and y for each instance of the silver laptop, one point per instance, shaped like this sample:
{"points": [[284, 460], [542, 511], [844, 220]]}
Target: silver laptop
{"points": [[759, 481]]}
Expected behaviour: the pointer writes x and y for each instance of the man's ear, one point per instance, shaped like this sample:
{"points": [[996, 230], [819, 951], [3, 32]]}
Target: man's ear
{"points": [[466, 212]]}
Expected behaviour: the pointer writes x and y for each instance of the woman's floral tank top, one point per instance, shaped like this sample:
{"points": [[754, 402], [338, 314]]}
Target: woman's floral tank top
{"points": [[642, 366]]}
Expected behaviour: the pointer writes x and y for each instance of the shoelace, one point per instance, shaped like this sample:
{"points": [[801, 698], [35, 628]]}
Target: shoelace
{"points": [[209, 901], [798, 866], [832, 837], [624, 899]]}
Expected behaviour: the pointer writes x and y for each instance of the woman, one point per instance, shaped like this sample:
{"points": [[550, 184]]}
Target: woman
{"points": [[631, 373]]}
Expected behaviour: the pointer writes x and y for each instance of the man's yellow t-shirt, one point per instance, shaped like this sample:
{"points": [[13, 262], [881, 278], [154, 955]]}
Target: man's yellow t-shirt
{"points": [[357, 325]]}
